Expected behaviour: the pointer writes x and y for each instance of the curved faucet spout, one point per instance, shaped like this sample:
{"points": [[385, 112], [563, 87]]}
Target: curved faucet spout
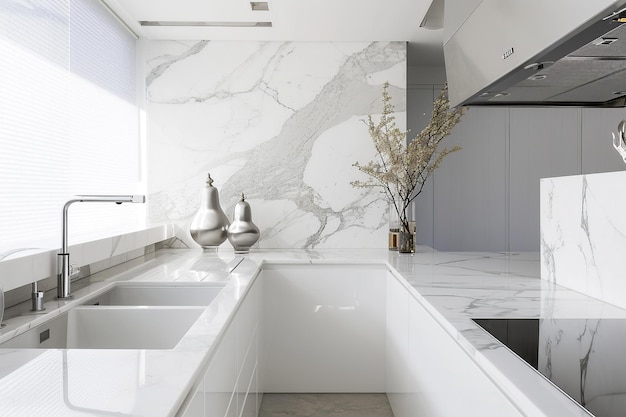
{"points": [[63, 258]]}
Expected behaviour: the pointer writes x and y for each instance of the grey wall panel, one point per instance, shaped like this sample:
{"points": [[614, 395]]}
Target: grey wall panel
{"points": [[470, 185], [424, 213], [419, 106], [486, 197], [544, 142], [419, 110], [598, 154]]}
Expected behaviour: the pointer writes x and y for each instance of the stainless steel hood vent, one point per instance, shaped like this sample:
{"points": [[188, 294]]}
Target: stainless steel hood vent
{"points": [[531, 53]]}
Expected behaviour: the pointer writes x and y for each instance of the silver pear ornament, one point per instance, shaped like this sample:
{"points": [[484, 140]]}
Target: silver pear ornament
{"points": [[242, 233], [209, 227]]}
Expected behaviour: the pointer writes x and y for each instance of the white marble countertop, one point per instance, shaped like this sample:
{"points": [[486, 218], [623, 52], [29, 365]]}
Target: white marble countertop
{"points": [[454, 287]]}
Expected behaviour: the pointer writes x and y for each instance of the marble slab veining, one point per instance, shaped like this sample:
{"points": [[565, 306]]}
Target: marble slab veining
{"points": [[281, 122], [583, 234]]}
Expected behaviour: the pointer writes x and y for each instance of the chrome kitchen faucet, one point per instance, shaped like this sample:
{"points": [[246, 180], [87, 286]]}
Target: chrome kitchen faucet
{"points": [[64, 277]]}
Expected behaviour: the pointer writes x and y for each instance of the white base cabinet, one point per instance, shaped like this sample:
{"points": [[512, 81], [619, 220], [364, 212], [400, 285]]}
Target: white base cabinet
{"points": [[428, 373], [229, 386], [323, 328], [341, 328]]}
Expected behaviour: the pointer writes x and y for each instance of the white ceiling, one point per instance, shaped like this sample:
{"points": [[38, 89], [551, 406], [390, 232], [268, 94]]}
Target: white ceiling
{"points": [[294, 20]]}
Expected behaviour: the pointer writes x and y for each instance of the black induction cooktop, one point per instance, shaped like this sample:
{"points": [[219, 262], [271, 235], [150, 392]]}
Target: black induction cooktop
{"points": [[586, 358]]}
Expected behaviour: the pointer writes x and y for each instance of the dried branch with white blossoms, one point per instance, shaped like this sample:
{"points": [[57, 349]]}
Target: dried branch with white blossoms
{"points": [[400, 169]]}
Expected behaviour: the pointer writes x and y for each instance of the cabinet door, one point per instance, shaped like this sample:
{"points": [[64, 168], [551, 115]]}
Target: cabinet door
{"points": [[323, 328], [250, 406], [221, 376], [195, 408], [246, 383], [443, 380], [247, 349], [397, 346]]}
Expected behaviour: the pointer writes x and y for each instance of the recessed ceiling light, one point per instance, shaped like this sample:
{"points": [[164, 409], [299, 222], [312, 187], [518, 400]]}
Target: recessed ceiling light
{"points": [[604, 41], [259, 6], [536, 66], [208, 24], [537, 77], [619, 93]]}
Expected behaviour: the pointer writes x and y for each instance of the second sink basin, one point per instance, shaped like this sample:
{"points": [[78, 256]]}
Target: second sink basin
{"points": [[151, 294], [110, 328], [129, 315]]}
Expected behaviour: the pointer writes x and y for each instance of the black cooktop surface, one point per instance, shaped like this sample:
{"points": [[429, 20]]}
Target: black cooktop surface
{"points": [[586, 358]]}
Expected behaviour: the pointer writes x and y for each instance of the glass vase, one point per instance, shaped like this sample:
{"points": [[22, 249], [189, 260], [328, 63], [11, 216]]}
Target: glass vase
{"points": [[394, 228], [406, 242], [407, 239]]}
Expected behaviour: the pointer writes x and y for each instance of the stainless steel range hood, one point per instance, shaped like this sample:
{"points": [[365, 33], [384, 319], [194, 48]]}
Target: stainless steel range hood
{"points": [[538, 52]]}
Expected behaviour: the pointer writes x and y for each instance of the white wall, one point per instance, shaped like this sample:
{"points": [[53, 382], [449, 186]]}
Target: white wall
{"points": [[486, 196], [279, 121]]}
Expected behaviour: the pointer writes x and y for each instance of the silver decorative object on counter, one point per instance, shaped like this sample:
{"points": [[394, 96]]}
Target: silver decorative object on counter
{"points": [[209, 227], [242, 233]]}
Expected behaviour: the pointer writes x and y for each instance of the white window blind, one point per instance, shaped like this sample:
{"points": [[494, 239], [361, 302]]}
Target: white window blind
{"points": [[68, 122]]}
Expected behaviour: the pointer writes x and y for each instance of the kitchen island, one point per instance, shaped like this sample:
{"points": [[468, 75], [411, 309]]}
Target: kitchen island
{"points": [[451, 288]]}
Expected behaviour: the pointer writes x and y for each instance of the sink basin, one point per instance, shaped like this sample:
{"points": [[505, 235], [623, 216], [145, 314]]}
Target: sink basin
{"points": [[87, 327], [140, 294]]}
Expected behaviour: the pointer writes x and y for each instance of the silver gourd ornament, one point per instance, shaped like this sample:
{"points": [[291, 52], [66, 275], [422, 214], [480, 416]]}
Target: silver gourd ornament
{"points": [[209, 227], [242, 233]]}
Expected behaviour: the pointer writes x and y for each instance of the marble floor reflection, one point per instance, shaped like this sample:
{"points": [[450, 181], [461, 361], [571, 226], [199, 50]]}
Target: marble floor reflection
{"points": [[327, 405]]}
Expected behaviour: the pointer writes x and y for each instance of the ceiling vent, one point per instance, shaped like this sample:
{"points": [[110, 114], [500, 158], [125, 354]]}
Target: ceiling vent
{"points": [[259, 6], [207, 24]]}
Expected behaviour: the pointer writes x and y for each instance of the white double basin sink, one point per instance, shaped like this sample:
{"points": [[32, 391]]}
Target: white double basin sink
{"points": [[126, 316]]}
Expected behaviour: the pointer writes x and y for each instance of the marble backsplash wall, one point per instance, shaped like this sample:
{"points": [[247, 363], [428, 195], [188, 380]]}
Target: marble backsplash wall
{"points": [[278, 121], [583, 234]]}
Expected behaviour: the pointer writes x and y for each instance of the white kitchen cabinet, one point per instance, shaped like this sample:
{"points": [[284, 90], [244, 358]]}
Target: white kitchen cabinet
{"points": [[229, 385], [251, 406], [232, 410], [248, 318], [246, 389], [323, 328], [429, 374], [221, 376], [397, 341], [195, 408], [342, 328]]}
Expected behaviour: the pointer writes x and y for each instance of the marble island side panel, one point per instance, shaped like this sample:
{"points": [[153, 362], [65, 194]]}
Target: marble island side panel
{"points": [[583, 234]]}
